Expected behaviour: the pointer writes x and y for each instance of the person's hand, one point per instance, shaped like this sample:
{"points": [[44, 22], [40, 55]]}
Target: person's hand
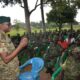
{"points": [[63, 65], [23, 42]]}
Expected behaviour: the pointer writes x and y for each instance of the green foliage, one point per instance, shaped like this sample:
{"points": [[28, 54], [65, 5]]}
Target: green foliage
{"points": [[17, 25], [7, 2], [77, 3], [62, 12]]}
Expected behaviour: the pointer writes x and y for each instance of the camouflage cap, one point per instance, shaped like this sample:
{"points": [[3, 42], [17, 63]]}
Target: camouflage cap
{"points": [[4, 19]]}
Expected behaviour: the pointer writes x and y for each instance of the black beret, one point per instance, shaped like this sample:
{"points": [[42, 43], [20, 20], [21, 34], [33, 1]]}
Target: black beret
{"points": [[4, 19]]}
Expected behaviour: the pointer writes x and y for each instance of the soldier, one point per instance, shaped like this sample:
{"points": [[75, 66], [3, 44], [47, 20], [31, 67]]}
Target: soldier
{"points": [[51, 57], [71, 66], [8, 54], [53, 54]]}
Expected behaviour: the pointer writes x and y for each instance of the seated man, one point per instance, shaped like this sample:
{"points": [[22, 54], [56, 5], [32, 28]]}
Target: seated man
{"points": [[72, 65]]}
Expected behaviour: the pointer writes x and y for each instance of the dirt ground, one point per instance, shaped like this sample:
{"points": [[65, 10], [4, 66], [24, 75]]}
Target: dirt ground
{"points": [[44, 75]]}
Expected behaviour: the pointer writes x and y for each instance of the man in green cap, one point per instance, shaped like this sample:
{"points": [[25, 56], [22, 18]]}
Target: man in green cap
{"points": [[8, 54]]}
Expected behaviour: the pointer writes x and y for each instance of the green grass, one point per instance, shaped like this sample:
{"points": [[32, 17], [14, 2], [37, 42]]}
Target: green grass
{"points": [[21, 31], [14, 32], [66, 27]]}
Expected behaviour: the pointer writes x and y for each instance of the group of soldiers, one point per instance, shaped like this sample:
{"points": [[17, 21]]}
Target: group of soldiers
{"points": [[71, 70], [54, 51]]}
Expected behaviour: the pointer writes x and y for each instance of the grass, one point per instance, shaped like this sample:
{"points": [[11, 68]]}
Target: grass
{"points": [[14, 32], [21, 31]]}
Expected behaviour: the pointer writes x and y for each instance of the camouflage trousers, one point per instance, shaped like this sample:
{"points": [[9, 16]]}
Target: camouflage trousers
{"points": [[8, 73], [72, 69], [10, 77], [51, 56]]}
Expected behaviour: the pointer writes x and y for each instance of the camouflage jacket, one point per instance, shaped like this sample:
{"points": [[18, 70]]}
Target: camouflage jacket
{"points": [[11, 69], [50, 57], [72, 66]]}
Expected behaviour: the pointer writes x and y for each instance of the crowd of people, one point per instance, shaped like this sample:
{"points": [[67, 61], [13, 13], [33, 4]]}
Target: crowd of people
{"points": [[51, 46]]}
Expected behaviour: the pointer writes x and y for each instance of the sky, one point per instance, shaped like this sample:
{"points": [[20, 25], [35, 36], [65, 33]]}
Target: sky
{"points": [[17, 13]]}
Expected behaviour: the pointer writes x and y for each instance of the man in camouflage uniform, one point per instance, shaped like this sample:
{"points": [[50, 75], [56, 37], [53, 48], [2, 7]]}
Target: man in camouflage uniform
{"points": [[8, 60], [55, 51], [51, 56], [72, 65]]}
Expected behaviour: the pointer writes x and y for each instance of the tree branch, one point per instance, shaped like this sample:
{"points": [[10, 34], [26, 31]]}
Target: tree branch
{"points": [[34, 8], [36, 5], [22, 6]]}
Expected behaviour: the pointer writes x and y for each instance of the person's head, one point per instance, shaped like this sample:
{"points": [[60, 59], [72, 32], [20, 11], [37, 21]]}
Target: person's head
{"points": [[5, 23]]}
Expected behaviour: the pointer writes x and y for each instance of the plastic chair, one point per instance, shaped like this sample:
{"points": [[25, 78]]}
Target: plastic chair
{"points": [[34, 74]]}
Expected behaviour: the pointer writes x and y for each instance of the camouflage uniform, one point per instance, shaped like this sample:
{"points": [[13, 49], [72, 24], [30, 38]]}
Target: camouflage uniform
{"points": [[8, 71], [72, 67], [52, 54]]}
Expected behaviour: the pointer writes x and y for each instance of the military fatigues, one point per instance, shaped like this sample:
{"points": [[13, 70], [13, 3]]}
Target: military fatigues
{"points": [[72, 67], [8, 71], [52, 54]]}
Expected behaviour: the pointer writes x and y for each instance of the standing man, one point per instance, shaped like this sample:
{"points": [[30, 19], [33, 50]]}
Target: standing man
{"points": [[8, 54]]}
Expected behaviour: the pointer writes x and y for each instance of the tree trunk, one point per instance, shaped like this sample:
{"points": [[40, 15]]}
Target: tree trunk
{"points": [[42, 16], [71, 26], [27, 16], [60, 27]]}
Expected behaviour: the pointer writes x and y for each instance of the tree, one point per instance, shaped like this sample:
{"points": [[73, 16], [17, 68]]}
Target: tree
{"points": [[70, 13], [42, 15], [17, 25], [78, 3], [62, 12], [24, 4]]}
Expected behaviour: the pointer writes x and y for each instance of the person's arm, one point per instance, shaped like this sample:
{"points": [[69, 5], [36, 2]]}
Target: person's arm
{"points": [[7, 58]]}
